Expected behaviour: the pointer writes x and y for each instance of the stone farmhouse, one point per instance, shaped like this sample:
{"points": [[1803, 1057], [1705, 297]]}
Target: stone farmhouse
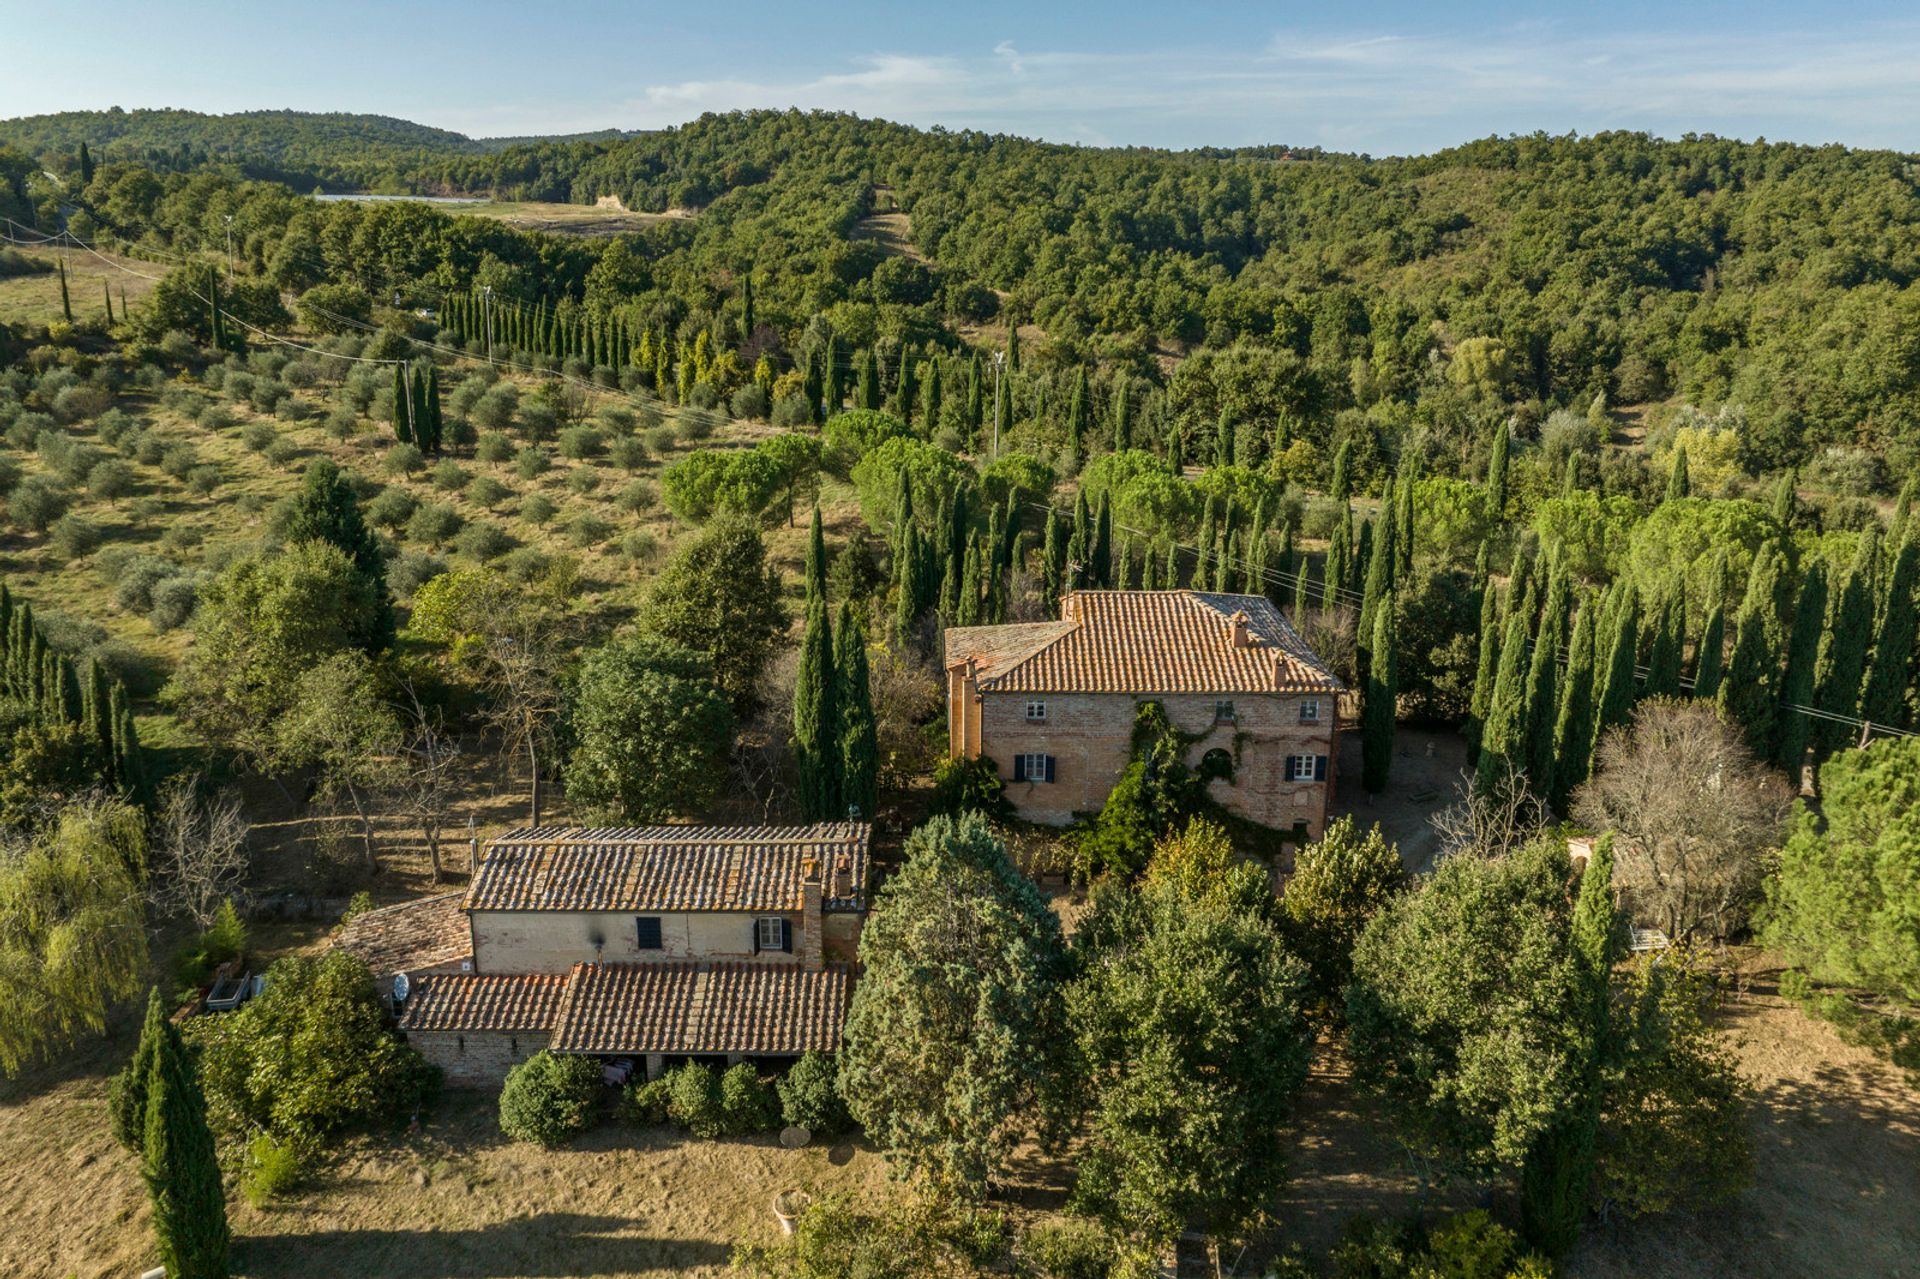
{"points": [[1052, 704], [649, 943]]}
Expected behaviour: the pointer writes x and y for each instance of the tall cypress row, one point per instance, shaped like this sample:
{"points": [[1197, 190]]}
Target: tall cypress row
{"points": [[859, 742], [1382, 690], [1797, 685], [1380, 571], [1543, 686], [1077, 422], [1052, 555], [816, 718], [181, 1171], [1102, 549], [1667, 644], [402, 405], [1486, 668], [1613, 704], [1503, 742], [1844, 648], [1749, 695], [1890, 673], [1573, 729], [1122, 413], [1403, 523]]}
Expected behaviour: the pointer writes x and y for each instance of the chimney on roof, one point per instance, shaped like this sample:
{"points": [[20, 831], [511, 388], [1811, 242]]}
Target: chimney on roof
{"points": [[1242, 628], [1070, 607], [810, 925]]}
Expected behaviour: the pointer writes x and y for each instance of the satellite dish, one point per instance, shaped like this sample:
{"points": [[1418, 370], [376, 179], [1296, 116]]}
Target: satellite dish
{"points": [[400, 987]]}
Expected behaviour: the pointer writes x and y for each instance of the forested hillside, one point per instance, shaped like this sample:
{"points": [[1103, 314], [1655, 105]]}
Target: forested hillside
{"points": [[335, 149]]}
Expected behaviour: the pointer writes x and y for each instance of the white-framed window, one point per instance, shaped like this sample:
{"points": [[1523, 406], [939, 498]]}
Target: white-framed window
{"points": [[770, 933], [1310, 710], [1223, 710], [1300, 768], [1033, 766], [1036, 710]]}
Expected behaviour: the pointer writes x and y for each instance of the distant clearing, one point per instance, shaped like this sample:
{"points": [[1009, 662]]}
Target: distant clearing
{"points": [[891, 231], [571, 219], [35, 299]]}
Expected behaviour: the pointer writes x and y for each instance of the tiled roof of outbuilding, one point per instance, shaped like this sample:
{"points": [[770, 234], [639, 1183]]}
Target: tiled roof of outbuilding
{"points": [[756, 1009], [453, 1002], [405, 938], [1145, 642], [667, 868]]}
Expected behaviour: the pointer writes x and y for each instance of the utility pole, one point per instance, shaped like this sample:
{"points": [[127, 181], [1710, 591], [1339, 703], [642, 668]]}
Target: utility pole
{"points": [[999, 358], [229, 250]]}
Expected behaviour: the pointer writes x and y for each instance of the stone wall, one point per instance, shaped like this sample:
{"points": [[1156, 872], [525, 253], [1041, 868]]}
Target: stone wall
{"points": [[1090, 736], [477, 1058]]}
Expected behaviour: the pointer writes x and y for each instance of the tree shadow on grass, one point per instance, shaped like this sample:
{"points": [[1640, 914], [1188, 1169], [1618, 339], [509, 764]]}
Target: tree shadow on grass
{"points": [[545, 1244]]}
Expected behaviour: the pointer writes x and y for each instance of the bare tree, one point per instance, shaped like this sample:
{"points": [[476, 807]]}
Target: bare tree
{"points": [[1491, 822], [761, 759], [429, 769], [1332, 633], [1694, 817], [197, 853], [906, 696], [341, 728]]}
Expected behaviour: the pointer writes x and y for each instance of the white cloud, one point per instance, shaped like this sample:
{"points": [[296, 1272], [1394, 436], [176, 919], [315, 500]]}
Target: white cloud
{"points": [[1382, 92]]}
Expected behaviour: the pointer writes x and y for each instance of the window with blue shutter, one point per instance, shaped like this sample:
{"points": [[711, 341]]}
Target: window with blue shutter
{"points": [[786, 935], [1319, 768], [646, 930], [1019, 768]]}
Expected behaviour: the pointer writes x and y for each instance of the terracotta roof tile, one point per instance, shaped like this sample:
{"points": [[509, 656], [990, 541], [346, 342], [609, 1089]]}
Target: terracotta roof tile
{"points": [[667, 868], [757, 1009], [1145, 642], [428, 933], [469, 1002]]}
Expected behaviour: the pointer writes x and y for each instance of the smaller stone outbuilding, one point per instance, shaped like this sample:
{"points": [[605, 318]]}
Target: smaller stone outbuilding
{"points": [[414, 939], [478, 1028]]}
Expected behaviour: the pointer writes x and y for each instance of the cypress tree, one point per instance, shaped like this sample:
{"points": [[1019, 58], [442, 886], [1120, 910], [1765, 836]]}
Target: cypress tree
{"points": [[1342, 488], [1077, 574], [968, 613], [1678, 485], [1380, 572], [1798, 683], [86, 165], [1543, 685], [1052, 555], [66, 303], [746, 305], [1497, 472], [127, 1092], [182, 1174], [402, 404], [1844, 647], [1573, 729], [1710, 655], [1503, 743], [1613, 703], [1171, 578], [1884, 701], [813, 386], [1176, 449], [830, 376], [1122, 413], [1149, 569], [1403, 521], [976, 395], [931, 395], [1333, 570], [951, 586], [905, 393], [1665, 649], [1223, 440], [1100, 546], [1382, 690], [1223, 566], [107, 289], [1257, 582], [867, 390], [1486, 668], [1786, 502], [1902, 513], [435, 422], [859, 741], [1302, 594], [816, 719], [1002, 408], [1077, 422], [1123, 566], [1750, 694], [816, 559]]}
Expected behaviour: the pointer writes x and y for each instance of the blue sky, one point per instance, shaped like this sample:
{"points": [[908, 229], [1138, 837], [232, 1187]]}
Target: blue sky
{"points": [[1382, 78]]}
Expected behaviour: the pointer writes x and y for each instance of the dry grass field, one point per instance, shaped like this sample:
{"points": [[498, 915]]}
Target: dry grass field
{"points": [[36, 298], [569, 219]]}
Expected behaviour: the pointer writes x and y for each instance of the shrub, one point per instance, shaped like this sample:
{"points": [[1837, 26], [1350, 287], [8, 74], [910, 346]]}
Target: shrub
{"points": [[538, 509], [75, 536], [531, 462], [583, 480], [693, 1100], [488, 492], [402, 459], [629, 453], [173, 603], [113, 424], [747, 1102], [391, 508], [283, 452], [134, 580], [36, 503], [435, 524], [451, 477], [549, 1098], [792, 410], [810, 1095], [962, 785], [526, 564], [696, 424], [408, 571], [645, 1102], [258, 436], [483, 540], [1069, 1248], [637, 497], [493, 446], [750, 401], [202, 481], [587, 530], [579, 443], [659, 439], [639, 545], [178, 460], [111, 480]]}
